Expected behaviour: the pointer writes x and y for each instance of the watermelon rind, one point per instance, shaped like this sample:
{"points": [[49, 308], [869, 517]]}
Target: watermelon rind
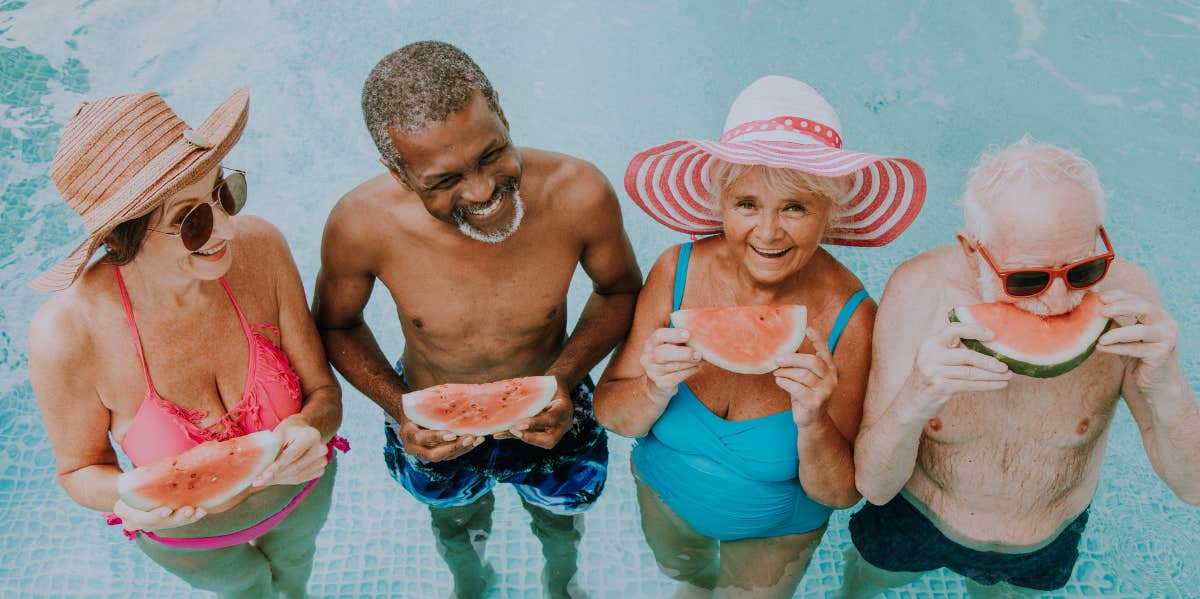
{"points": [[713, 356], [548, 386], [1045, 367], [129, 484]]}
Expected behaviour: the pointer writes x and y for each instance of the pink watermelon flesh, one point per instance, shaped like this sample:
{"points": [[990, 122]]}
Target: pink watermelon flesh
{"points": [[482, 409], [205, 476], [1037, 346], [744, 339]]}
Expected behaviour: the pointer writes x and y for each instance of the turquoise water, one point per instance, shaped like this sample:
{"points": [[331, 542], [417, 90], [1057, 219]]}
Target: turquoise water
{"points": [[936, 81]]}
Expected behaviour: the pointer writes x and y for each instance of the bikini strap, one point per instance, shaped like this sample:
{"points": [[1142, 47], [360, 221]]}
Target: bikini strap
{"points": [[681, 268], [241, 317], [844, 317], [137, 339]]}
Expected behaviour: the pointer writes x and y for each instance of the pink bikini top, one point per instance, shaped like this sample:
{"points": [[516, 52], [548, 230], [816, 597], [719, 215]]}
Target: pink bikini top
{"points": [[161, 428]]}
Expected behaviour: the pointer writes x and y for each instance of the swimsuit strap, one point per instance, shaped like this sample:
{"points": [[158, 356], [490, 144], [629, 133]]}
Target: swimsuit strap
{"points": [[241, 317], [681, 268], [844, 317], [137, 339]]}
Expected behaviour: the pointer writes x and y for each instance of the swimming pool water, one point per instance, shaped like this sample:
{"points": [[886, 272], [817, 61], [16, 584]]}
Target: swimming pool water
{"points": [[936, 81]]}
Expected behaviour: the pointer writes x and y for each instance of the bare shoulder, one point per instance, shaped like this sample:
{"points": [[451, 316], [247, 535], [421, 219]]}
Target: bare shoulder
{"points": [[925, 274], [59, 333], [1127, 276], [569, 183], [355, 217], [257, 235]]}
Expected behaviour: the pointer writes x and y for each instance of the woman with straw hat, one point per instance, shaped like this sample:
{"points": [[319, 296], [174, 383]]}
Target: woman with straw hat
{"points": [[153, 344], [737, 474]]}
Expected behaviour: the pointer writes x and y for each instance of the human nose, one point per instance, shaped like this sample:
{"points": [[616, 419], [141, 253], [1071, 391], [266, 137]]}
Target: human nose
{"points": [[1057, 297], [767, 227], [222, 224], [477, 187]]}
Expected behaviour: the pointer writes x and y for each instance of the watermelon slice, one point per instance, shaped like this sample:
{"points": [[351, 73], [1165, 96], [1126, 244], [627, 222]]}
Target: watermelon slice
{"points": [[207, 475], [483, 409], [744, 339], [1037, 346]]}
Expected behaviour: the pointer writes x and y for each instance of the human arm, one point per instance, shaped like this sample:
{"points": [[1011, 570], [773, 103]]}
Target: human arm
{"points": [[343, 288], [1154, 385], [646, 371], [916, 369], [607, 258], [302, 454], [827, 396], [77, 421]]}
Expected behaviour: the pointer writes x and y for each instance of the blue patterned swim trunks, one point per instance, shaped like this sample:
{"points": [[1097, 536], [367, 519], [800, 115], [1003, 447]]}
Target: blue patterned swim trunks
{"points": [[564, 480]]}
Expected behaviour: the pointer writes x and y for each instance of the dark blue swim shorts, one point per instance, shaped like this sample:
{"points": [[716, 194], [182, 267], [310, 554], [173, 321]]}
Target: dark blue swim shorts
{"points": [[565, 480], [897, 537]]}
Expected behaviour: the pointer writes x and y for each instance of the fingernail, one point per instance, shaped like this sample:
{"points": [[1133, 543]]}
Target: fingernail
{"points": [[478, 440], [466, 442], [449, 437], [518, 434], [521, 427], [695, 356]]}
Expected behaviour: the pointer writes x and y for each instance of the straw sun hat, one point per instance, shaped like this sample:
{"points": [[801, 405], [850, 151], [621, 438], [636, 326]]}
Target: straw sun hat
{"points": [[783, 123], [121, 156]]}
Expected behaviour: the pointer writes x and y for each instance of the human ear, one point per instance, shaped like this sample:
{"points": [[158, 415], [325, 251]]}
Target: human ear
{"points": [[395, 175]]}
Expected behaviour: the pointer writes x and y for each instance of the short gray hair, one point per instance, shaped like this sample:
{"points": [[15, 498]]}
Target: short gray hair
{"points": [[418, 85], [1000, 166]]}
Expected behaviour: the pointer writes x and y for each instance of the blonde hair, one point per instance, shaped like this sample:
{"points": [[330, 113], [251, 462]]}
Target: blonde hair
{"points": [[723, 174], [1010, 164]]}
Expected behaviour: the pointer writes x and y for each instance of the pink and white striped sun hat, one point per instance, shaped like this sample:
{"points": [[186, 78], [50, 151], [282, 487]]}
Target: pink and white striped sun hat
{"points": [[779, 122]]}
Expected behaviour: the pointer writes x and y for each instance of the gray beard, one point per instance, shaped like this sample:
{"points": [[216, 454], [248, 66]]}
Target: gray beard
{"points": [[497, 236]]}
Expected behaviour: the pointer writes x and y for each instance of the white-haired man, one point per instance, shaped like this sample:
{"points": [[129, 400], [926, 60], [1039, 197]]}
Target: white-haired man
{"points": [[971, 467]]}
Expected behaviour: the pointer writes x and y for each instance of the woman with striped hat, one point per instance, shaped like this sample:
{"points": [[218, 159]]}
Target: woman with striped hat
{"points": [[737, 474]]}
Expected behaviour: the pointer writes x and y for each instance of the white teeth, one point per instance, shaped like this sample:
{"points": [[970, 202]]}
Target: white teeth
{"points": [[212, 251], [772, 253], [483, 208]]}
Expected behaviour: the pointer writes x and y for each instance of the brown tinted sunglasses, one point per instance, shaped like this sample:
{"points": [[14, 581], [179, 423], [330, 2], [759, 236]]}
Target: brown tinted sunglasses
{"points": [[197, 225]]}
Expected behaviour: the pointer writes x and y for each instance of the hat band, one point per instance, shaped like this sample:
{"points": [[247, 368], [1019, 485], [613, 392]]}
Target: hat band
{"points": [[822, 133]]}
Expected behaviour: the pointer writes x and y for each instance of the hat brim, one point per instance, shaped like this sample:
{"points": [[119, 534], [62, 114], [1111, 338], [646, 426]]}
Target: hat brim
{"points": [[223, 128], [668, 182]]}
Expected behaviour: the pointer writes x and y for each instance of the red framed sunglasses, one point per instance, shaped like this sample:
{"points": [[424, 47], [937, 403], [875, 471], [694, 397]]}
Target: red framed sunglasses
{"points": [[1028, 282]]}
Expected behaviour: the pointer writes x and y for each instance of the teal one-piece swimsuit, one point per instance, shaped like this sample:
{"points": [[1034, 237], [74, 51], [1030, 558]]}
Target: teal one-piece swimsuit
{"points": [[728, 479]]}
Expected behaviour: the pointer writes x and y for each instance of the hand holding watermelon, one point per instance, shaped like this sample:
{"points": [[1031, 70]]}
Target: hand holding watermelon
{"points": [[1148, 334], [157, 519], [809, 379], [944, 368], [668, 362], [546, 428], [435, 445], [302, 456]]}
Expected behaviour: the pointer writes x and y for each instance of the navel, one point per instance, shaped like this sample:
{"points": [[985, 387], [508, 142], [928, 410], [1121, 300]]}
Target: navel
{"points": [[1083, 426]]}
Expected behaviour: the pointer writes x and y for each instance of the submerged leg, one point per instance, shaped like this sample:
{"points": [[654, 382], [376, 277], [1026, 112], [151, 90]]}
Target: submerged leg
{"points": [[560, 536], [462, 534], [766, 567], [234, 572], [291, 545], [681, 552], [864, 580]]}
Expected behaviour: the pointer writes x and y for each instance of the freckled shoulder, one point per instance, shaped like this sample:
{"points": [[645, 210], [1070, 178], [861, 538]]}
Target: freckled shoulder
{"points": [[60, 335]]}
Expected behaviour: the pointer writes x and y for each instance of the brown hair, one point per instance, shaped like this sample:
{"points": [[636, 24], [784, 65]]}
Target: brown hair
{"points": [[123, 243]]}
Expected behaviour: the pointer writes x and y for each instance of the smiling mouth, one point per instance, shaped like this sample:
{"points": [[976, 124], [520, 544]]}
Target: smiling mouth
{"points": [[484, 209], [771, 253], [212, 252]]}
